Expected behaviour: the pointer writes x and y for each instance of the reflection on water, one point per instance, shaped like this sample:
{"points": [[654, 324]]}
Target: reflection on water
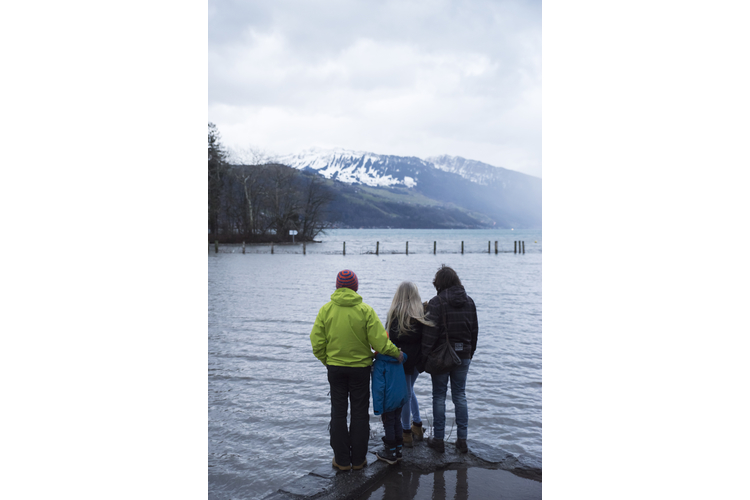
{"points": [[268, 403], [460, 484]]}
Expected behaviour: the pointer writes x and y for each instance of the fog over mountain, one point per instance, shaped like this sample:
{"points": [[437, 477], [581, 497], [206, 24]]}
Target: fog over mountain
{"points": [[457, 191]]}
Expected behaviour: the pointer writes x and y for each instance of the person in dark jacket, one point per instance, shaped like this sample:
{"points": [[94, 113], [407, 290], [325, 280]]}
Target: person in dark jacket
{"points": [[455, 311], [406, 318]]}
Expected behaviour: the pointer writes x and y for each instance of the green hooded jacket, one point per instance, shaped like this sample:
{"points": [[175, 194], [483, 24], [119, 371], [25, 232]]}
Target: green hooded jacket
{"points": [[345, 329]]}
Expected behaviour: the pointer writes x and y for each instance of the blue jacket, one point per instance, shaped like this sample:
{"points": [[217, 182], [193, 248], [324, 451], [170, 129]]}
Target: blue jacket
{"points": [[388, 384]]}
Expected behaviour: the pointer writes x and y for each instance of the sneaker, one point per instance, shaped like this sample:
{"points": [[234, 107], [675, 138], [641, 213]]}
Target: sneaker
{"points": [[436, 444], [387, 455], [417, 431], [461, 445], [341, 467]]}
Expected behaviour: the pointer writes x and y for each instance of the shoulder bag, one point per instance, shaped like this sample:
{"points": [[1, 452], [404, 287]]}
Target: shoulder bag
{"points": [[442, 358]]}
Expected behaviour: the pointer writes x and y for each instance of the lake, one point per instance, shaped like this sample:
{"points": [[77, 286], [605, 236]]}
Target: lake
{"points": [[268, 403]]}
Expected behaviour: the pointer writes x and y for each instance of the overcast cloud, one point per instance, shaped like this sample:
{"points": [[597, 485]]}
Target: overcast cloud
{"points": [[409, 78]]}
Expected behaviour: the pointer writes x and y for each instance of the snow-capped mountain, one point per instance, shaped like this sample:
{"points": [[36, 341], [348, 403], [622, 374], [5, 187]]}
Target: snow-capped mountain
{"points": [[509, 198], [475, 171], [370, 169], [356, 167]]}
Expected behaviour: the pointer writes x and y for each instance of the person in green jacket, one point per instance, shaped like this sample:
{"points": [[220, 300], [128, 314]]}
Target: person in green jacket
{"points": [[343, 336]]}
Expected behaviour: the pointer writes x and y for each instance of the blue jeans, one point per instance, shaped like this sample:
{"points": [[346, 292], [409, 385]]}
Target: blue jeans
{"points": [[411, 407], [458, 393]]}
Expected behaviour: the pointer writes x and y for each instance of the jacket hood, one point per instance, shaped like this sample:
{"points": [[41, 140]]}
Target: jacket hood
{"points": [[455, 296], [345, 297], [389, 359]]}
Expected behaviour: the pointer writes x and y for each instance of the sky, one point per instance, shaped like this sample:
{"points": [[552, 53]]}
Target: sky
{"points": [[407, 78]]}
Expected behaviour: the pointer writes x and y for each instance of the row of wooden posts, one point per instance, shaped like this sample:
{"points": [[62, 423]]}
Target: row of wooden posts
{"points": [[518, 247]]}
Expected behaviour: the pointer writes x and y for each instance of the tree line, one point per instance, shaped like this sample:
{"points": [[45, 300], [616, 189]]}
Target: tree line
{"points": [[262, 202]]}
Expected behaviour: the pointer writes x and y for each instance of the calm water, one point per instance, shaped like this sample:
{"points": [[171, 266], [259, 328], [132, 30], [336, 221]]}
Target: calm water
{"points": [[268, 403]]}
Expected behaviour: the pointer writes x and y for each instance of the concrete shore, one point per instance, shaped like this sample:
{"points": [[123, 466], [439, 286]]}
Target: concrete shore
{"points": [[327, 483]]}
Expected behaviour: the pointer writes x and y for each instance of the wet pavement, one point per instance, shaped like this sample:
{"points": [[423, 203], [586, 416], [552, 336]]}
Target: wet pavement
{"points": [[484, 472]]}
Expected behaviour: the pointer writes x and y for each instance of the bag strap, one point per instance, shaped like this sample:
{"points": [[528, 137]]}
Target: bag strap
{"points": [[445, 323]]}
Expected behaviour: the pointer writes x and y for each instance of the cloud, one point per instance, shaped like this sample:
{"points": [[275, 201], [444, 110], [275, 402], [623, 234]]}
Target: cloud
{"points": [[407, 78]]}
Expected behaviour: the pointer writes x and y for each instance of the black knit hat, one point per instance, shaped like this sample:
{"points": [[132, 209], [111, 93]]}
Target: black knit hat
{"points": [[348, 279]]}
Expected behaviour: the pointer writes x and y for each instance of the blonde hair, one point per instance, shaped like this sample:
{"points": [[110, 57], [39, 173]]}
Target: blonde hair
{"points": [[406, 305]]}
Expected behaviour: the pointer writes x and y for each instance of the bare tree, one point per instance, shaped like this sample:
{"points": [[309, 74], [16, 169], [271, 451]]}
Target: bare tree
{"points": [[248, 170], [282, 199], [249, 155], [216, 171], [250, 196], [313, 218], [233, 200], [254, 191]]}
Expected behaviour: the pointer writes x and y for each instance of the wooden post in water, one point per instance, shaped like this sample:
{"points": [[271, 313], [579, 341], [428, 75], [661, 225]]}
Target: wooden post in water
{"points": [[514, 247], [345, 248], [304, 249], [523, 244], [377, 248], [434, 248], [489, 247], [216, 246], [271, 248], [495, 247], [407, 248], [462, 248], [243, 247]]}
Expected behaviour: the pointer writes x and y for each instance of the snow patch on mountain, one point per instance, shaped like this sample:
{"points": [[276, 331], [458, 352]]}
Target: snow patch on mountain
{"points": [[347, 166], [370, 169], [475, 171]]}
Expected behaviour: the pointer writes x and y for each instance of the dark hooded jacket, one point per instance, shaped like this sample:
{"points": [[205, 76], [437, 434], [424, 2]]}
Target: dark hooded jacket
{"points": [[410, 343], [455, 309]]}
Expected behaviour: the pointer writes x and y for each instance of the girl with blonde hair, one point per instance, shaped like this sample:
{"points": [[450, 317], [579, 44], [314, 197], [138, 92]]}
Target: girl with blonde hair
{"points": [[406, 319]]}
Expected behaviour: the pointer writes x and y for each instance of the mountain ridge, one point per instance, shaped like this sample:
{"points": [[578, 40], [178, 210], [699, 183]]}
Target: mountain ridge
{"points": [[362, 167], [374, 190]]}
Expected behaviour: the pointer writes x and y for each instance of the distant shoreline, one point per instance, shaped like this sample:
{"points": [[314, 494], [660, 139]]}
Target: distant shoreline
{"points": [[237, 240], [255, 243]]}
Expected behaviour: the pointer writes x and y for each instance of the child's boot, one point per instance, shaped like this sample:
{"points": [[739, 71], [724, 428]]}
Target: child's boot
{"points": [[399, 446], [388, 454]]}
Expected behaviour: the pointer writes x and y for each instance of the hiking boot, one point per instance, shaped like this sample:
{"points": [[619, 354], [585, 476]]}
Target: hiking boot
{"points": [[461, 445], [360, 466], [417, 431], [341, 467], [388, 453], [408, 440], [398, 452], [436, 444]]}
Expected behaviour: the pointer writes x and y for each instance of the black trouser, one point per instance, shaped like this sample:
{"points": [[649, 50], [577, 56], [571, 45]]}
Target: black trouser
{"points": [[394, 431], [350, 383]]}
